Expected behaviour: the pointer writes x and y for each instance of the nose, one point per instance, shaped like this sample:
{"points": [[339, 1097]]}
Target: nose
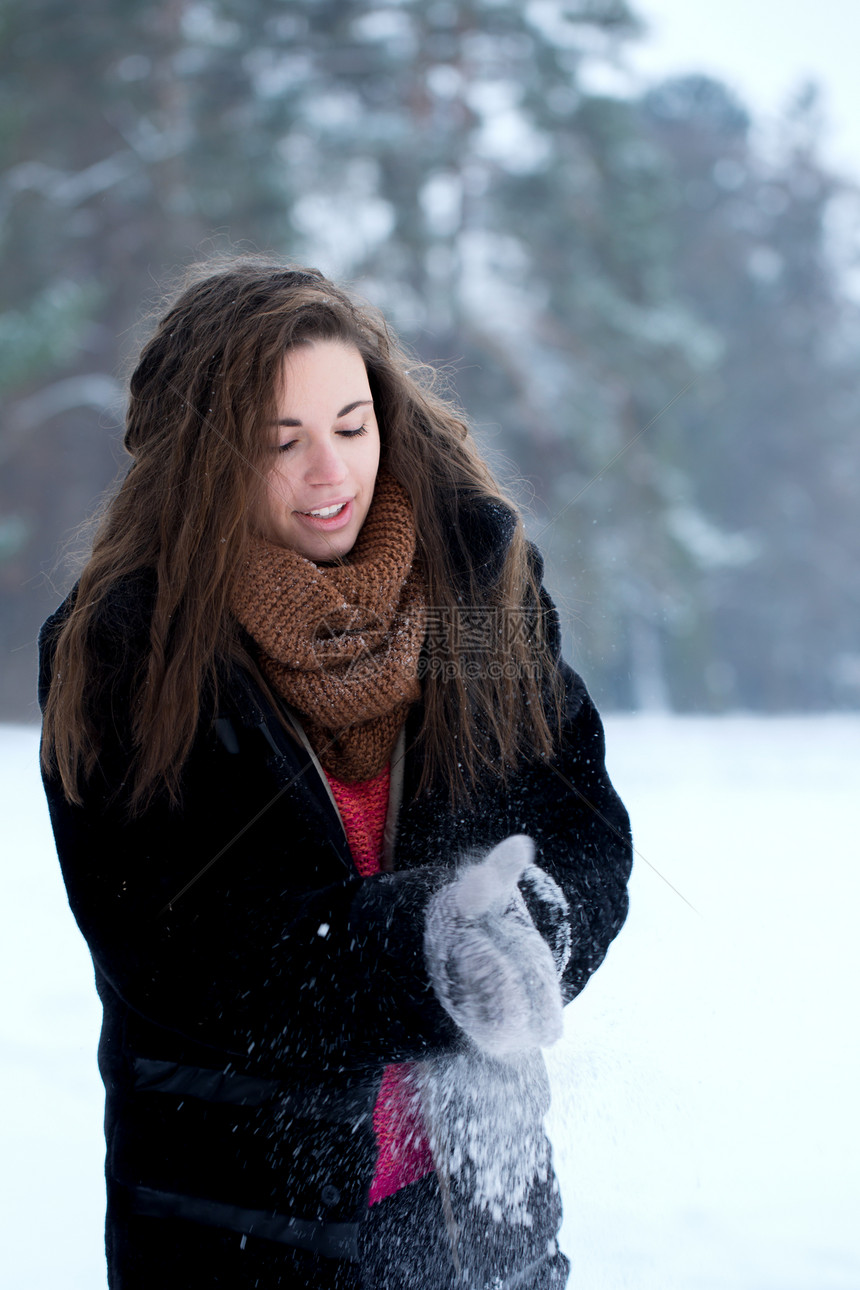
{"points": [[324, 464]]}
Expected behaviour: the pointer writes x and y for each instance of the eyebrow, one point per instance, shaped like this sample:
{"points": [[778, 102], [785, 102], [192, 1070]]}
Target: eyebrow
{"points": [[344, 412]]}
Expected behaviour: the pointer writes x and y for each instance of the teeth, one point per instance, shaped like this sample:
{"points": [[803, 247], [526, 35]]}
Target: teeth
{"points": [[327, 512]]}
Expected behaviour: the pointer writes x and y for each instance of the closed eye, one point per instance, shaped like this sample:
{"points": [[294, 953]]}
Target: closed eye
{"points": [[344, 434]]}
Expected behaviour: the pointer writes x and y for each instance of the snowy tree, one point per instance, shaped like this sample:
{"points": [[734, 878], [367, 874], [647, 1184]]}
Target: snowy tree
{"points": [[772, 428], [638, 308]]}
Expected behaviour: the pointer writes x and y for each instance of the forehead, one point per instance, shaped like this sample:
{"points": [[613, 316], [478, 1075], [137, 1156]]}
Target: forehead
{"points": [[320, 371]]}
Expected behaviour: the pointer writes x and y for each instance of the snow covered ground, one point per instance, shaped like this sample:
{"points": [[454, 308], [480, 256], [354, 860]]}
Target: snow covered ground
{"points": [[705, 1114]]}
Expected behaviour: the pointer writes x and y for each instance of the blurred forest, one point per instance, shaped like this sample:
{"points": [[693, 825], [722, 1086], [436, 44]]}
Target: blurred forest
{"points": [[640, 301]]}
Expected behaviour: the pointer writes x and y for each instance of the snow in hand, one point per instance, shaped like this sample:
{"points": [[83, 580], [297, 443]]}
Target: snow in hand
{"points": [[704, 1117]]}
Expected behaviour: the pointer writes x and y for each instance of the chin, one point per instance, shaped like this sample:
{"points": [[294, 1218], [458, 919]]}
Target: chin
{"points": [[326, 552]]}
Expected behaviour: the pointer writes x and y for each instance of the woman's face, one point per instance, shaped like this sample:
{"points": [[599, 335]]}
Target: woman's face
{"points": [[325, 452]]}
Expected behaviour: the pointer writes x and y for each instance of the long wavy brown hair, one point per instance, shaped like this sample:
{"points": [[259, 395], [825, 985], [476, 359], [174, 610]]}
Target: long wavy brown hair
{"points": [[202, 401]]}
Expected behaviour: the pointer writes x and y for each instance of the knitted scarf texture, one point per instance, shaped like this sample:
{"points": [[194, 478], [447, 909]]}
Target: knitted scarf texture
{"points": [[340, 643]]}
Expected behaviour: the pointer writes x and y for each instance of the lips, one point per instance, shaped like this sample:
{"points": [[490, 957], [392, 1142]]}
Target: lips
{"points": [[335, 515], [325, 512]]}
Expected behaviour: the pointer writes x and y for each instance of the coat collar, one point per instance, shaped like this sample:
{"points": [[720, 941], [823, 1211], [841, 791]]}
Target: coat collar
{"points": [[485, 528]]}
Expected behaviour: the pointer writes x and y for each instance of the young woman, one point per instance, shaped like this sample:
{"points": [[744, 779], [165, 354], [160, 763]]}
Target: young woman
{"points": [[332, 814]]}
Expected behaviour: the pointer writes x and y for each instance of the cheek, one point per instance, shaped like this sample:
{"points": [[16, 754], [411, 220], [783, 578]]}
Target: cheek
{"points": [[279, 488], [273, 500], [373, 460]]}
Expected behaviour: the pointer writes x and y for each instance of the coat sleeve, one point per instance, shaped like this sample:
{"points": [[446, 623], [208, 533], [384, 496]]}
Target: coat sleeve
{"points": [[581, 833], [580, 827], [237, 921]]}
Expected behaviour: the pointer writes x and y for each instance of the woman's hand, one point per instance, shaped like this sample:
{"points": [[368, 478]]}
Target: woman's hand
{"points": [[490, 967]]}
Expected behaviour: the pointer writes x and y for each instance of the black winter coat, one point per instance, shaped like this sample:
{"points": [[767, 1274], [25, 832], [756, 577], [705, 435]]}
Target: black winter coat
{"points": [[254, 987]]}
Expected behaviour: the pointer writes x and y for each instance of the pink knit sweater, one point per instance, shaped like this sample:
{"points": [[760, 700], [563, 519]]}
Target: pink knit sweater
{"points": [[403, 1150]]}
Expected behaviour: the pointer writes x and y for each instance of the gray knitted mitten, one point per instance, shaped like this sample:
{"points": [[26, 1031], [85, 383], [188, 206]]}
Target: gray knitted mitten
{"points": [[490, 967]]}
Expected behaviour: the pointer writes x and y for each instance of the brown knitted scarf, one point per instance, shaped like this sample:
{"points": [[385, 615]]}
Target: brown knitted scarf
{"points": [[341, 642]]}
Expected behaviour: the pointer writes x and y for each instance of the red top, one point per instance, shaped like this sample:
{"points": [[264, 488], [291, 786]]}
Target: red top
{"points": [[404, 1152]]}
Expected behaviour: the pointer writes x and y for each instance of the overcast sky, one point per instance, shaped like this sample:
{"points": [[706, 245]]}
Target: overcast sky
{"points": [[764, 49]]}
